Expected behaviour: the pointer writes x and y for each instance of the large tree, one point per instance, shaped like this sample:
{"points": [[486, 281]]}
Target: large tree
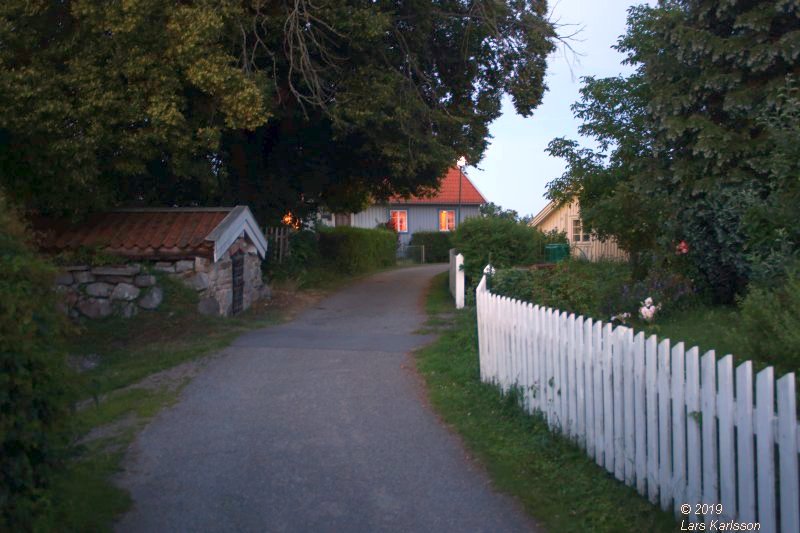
{"points": [[713, 120], [278, 104]]}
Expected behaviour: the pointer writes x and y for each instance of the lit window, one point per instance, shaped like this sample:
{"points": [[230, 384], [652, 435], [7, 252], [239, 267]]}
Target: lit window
{"points": [[578, 234], [399, 220], [447, 220]]}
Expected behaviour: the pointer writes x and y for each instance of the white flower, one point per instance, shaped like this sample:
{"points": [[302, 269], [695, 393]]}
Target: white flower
{"points": [[648, 302]]}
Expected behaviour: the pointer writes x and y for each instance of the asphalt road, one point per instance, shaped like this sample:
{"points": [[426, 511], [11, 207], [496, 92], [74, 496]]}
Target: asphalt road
{"points": [[315, 425]]}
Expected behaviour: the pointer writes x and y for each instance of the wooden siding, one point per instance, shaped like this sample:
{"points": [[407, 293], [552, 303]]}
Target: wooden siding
{"points": [[420, 217], [560, 219]]}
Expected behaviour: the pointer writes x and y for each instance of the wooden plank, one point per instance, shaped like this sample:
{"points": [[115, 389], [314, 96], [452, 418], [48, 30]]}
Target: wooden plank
{"points": [[787, 455], [617, 377], [599, 423], [628, 407], [664, 426], [569, 388], [578, 359], [608, 398], [678, 428], [588, 369], [693, 442], [651, 399], [745, 460], [640, 414], [708, 424], [562, 372], [548, 367], [765, 449], [727, 438], [527, 346]]}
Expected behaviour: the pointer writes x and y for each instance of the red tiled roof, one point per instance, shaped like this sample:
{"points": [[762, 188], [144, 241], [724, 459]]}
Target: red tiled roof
{"points": [[448, 192], [145, 233]]}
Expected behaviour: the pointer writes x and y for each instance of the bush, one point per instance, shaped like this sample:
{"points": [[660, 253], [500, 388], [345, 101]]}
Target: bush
{"points": [[580, 287], [356, 250], [32, 395], [437, 245], [501, 241], [770, 322]]}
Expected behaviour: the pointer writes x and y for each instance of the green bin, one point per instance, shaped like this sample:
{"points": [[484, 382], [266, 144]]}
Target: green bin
{"points": [[553, 253]]}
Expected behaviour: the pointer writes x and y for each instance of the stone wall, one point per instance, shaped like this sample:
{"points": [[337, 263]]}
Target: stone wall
{"points": [[97, 292]]}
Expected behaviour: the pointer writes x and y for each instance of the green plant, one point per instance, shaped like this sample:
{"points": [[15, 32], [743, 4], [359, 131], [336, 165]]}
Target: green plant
{"points": [[579, 287], [33, 397], [501, 241], [86, 255], [437, 245], [770, 323], [356, 250]]}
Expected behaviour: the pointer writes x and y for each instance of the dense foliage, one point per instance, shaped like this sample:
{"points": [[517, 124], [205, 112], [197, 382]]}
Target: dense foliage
{"points": [[699, 144], [276, 105], [598, 290], [437, 245], [770, 323], [356, 250], [32, 377], [500, 241]]}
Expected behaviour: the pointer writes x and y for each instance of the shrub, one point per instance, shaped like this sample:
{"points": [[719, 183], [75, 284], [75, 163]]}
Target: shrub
{"points": [[32, 395], [770, 322], [437, 245], [501, 241], [356, 250], [579, 287]]}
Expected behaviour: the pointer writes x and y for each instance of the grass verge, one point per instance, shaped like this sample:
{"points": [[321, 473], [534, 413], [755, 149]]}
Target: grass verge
{"points": [[553, 479], [139, 366]]}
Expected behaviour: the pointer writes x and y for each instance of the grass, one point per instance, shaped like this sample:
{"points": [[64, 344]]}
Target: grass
{"points": [[553, 479]]}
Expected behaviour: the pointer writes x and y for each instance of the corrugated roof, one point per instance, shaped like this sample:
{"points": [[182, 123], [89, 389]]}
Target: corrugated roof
{"points": [[448, 192], [140, 233]]}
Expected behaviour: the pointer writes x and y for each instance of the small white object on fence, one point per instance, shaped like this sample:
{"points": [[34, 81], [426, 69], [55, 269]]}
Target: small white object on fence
{"points": [[679, 428], [457, 278]]}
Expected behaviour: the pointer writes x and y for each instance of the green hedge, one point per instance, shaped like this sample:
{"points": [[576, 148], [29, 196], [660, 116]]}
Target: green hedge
{"points": [[33, 402], [356, 250], [505, 242], [437, 245]]}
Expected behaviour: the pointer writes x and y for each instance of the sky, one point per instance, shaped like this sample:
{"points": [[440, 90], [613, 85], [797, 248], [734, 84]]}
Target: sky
{"points": [[515, 169]]}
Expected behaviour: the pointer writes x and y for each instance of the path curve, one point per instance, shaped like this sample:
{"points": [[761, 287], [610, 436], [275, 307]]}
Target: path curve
{"points": [[315, 425]]}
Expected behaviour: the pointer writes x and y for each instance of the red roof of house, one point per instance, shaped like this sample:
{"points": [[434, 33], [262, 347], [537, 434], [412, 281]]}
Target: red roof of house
{"points": [[143, 233], [448, 192]]}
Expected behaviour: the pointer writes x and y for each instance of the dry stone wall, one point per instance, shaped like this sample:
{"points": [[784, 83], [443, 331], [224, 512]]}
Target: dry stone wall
{"points": [[124, 290], [98, 292]]}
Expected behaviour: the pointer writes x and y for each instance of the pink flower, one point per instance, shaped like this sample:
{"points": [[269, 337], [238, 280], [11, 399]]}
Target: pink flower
{"points": [[682, 248]]}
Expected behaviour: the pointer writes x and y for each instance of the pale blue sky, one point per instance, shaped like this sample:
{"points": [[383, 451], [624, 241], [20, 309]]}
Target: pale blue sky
{"points": [[515, 169]]}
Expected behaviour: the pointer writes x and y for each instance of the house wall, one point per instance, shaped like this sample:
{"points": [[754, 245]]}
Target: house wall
{"points": [[421, 217], [594, 250], [214, 280]]}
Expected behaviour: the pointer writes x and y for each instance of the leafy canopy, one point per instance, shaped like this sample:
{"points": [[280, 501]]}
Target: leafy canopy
{"points": [[278, 105]]}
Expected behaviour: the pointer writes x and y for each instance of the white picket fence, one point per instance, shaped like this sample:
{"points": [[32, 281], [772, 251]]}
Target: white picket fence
{"points": [[680, 428], [457, 278]]}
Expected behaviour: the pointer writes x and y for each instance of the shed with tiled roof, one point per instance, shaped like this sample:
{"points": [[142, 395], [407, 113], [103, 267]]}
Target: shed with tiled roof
{"points": [[216, 250]]}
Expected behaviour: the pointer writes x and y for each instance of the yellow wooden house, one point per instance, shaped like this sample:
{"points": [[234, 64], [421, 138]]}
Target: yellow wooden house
{"points": [[582, 243]]}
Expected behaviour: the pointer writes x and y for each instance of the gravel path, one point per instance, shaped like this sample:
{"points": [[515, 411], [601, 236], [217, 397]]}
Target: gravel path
{"points": [[315, 425]]}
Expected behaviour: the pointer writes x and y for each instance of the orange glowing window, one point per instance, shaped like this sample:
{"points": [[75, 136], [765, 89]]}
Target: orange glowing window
{"points": [[399, 220], [447, 220]]}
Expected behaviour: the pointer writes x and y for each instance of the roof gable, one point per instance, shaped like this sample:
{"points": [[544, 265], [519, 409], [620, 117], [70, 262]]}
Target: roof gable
{"points": [[448, 192]]}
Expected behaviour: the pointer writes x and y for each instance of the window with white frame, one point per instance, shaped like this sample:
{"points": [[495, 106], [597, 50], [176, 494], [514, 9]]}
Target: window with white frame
{"points": [[399, 219], [447, 220], [578, 233]]}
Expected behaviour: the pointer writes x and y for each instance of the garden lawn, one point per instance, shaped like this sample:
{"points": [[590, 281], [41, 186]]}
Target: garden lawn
{"points": [[554, 480]]}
